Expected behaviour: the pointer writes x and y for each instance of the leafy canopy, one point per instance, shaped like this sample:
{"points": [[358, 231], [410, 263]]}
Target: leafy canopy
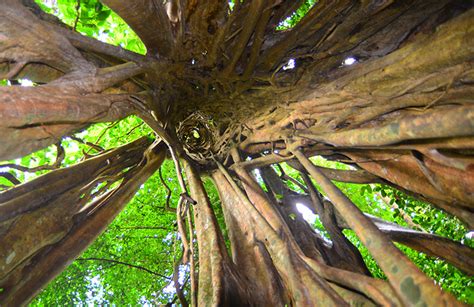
{"points": [[132, 261]]}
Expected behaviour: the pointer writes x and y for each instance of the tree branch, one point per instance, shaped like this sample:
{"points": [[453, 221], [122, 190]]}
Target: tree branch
{"points": [[38, 43], [380, 247], [10, 177], [453, 122], [256, 8], [87, 225], [125, 264], [93, 45], [149, 20], [179, 290], [258, 38], [322, 14], [60, 155]]}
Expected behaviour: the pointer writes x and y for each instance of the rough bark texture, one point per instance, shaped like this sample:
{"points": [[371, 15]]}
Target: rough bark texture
{"points": [[402, 115], [41, 240]]}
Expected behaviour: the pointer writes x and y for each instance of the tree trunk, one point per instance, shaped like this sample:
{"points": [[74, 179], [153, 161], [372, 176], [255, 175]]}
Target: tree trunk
{"points": [[217, 88]]}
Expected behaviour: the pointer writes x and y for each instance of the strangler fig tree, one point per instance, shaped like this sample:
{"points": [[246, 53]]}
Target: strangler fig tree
{"points": [[233, 87]]}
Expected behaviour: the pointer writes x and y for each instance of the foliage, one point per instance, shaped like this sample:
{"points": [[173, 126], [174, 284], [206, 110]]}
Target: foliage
{"points": [[294, 18], [92, 18], [145, 234], [369, 199]]}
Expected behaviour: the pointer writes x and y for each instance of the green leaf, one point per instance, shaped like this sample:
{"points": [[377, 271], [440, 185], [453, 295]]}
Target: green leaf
{"points": [[103, 15]]}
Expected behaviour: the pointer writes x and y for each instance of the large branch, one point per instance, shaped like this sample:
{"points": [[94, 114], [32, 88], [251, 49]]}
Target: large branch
{"points": [[101, 79], [320, 17], [81, 41], [253, 263], [31, 276], [371, 29], [432, 124], [412, 286], [30, 196], [353, 176], [25, 38], [452, 189], [458, 254], [371, 92], [219, 284], [287, 256], [248, 27], [403, 101], [285, 253], [149, 20], [90, 44], [22, 107], [41, 212], [36, 117]]}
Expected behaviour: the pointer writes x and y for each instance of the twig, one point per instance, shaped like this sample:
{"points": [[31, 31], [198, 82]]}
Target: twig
{"points": [[130, 131], [192, 267], [144, 227], [182, 230], [126, 264], [188, 198], [92, 145], [406, 217], [55, 165], [167, 205], [10, 177], [104, 131], [78, 7], [179, 290]]}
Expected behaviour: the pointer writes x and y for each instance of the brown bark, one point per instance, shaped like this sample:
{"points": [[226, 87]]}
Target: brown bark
{"points": [[219, 282], [25, 38], [42, 191], [375, 290], [82, 225], [248, 254], [303, 284], [411, 285], [402, 115], [456, 253], [341, 253], [40, 116], [402, 101], [401, 169], [145, 17]]}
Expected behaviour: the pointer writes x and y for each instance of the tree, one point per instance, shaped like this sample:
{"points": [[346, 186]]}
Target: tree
{"points": [[232, 87]]}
